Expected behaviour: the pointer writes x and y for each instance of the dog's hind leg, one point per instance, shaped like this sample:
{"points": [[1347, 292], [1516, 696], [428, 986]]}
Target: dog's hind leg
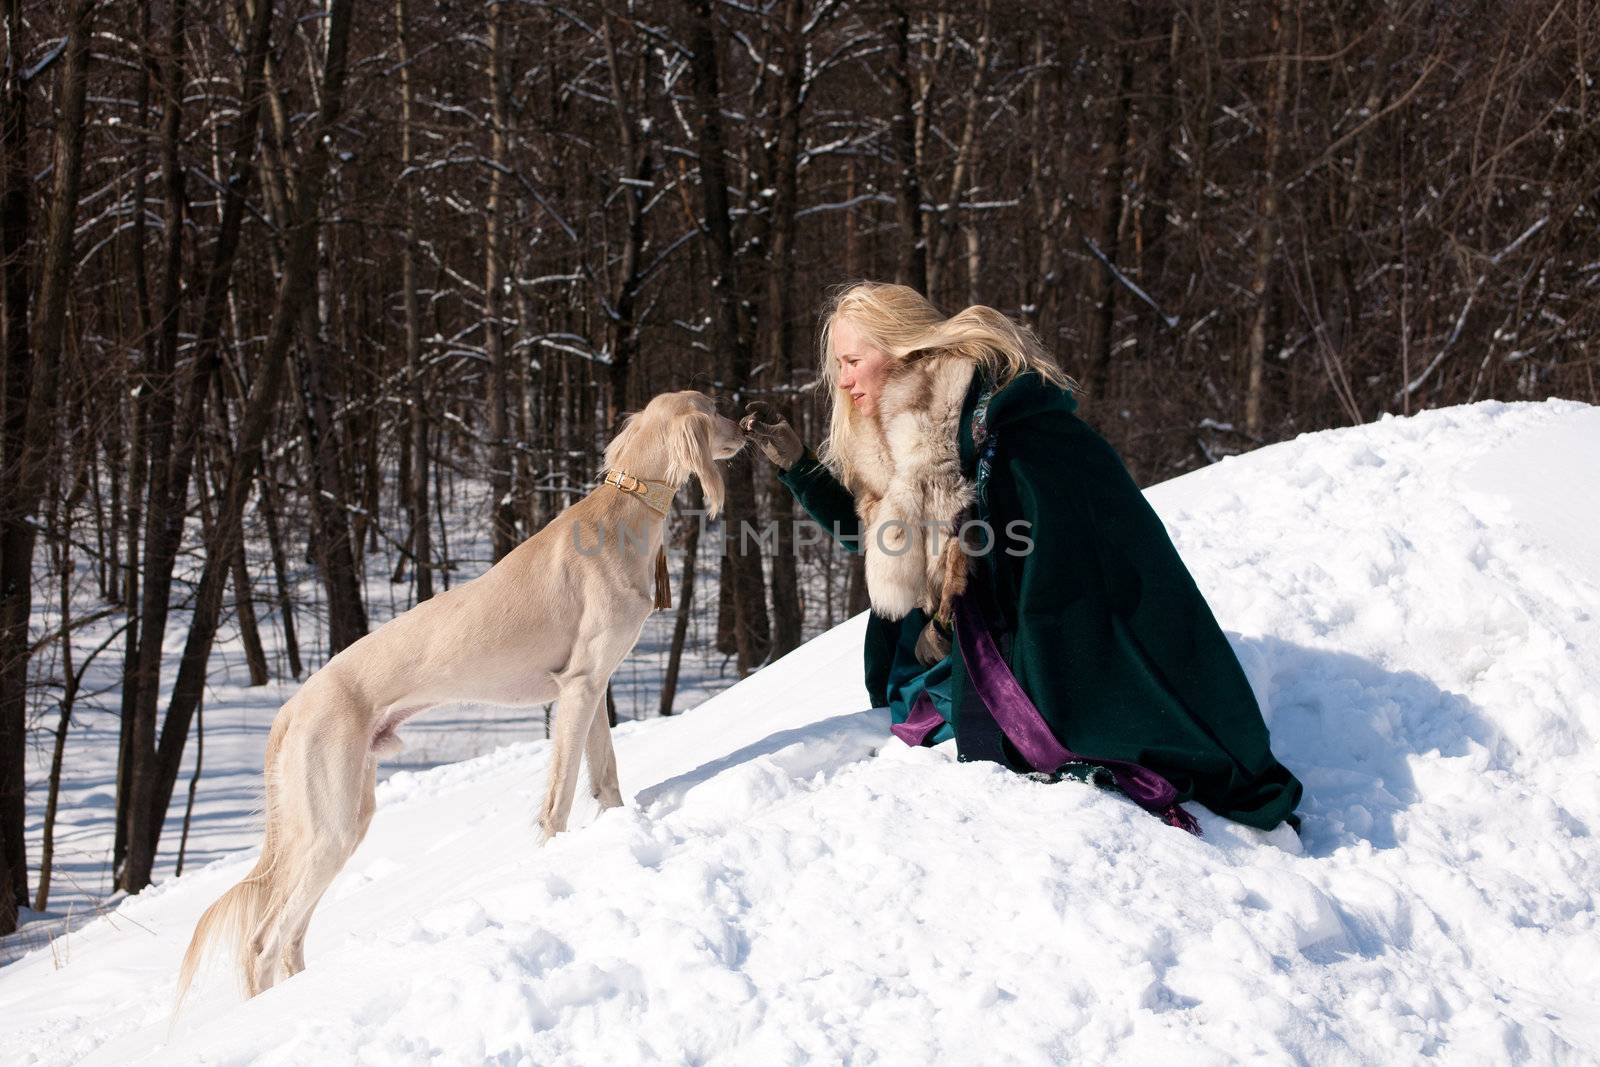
{"points": [[578, 704], [293, 957], [602, 760], [327, 806]]}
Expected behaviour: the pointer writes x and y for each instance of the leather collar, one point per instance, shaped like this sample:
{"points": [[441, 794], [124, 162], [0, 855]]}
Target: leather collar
{"points": [[657, 496]]}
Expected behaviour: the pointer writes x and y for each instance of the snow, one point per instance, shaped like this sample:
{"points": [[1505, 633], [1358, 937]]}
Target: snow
{"points": [[1417, 604]]}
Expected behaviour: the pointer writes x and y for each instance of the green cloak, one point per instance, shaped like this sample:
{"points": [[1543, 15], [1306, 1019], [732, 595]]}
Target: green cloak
{"points": [[1100, 621]]}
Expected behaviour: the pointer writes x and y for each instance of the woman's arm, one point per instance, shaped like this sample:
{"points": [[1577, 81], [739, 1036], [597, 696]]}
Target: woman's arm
{"points": [[825, 499], [818, 491]]}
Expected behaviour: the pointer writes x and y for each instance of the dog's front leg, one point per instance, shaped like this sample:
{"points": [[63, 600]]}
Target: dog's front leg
{"points": [[602, 760], [575, 709]]}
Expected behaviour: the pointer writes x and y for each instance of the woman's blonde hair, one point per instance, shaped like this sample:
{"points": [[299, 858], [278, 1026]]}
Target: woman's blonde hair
{"points": [[903, 323]]}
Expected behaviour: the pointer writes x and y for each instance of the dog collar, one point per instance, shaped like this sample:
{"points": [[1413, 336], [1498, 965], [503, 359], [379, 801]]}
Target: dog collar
{"points": [[657, 496]]}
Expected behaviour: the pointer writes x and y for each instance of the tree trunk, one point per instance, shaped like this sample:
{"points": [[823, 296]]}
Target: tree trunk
{"points": [[138, 461], [856, 599], [172, 449], [502, 509], [751, 626], [347, 616], [32, 378], [15, 268], [1113, 166], [8, 901], [912, 252], [294, 289], [727, 639], [69, 693], [1266, 227], [194, 783], [243, 601], [416, 488], [445, 563], [1158, 181], [167, 498], [947, 221], [623, 329], [280, 571], [787, 610], [244, 610]]}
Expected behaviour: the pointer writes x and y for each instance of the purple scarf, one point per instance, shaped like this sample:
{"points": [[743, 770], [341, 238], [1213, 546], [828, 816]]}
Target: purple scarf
{"points": [[1026, 729]]}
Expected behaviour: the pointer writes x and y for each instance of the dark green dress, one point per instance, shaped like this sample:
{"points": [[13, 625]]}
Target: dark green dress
{"points": [[1100, 621]]}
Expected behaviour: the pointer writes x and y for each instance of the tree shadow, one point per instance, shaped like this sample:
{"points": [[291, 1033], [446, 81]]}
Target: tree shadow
{"points": [[1349, 730], [1347, 727], [821, 745]]}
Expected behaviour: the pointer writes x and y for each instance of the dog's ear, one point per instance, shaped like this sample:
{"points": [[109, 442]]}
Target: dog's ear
{"points": [[624, 437], [689, 447]]}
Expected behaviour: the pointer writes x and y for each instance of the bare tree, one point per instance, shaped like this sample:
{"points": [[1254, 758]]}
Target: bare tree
{"points": [[751, 625], [33, 372], [1235, 228], [418, 540], [502, 509], [152, 791], [1266, 241], [911, 267]]}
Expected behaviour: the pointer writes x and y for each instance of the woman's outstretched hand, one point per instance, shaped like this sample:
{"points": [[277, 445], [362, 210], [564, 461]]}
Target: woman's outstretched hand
{"points": [[772, 434]]}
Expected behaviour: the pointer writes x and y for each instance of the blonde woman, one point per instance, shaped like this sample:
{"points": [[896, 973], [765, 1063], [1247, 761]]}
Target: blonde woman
{"points": [[1026, 600]]}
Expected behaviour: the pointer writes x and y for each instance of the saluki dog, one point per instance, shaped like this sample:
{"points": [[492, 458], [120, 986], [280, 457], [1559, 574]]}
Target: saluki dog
{"points": [[550, 621]]}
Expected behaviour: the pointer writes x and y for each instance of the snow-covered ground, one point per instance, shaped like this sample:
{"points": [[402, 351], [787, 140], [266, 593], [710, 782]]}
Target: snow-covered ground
{"points": [[1417, 603]]}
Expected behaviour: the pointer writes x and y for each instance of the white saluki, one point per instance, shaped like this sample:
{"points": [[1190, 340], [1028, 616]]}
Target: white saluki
{"points": [[550, 621]]}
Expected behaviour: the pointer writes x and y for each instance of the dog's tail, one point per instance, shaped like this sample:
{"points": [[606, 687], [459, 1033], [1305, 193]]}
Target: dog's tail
{"points": [[235, 916], [240, 912]]}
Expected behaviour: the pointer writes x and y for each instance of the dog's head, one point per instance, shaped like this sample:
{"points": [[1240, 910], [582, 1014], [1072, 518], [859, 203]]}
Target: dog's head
{"points": [[685, 429]]}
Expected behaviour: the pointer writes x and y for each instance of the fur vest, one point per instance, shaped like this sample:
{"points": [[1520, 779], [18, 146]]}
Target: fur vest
{"points": [[909, 489]]}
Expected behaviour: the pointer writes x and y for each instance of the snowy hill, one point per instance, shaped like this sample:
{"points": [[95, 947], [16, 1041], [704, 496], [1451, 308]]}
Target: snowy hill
{"points": [[1417, 603]]}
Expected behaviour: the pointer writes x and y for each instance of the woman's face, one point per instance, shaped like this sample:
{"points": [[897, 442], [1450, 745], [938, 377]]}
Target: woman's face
{"points": [[862, 368]]}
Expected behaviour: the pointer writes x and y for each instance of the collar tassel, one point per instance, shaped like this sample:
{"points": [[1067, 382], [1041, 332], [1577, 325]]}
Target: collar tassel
{"points": [[657, 496], [663, 586]]}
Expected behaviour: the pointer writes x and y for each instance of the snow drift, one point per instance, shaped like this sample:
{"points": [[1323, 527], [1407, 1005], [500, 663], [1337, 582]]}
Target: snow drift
{"points": [[1417, 604]]}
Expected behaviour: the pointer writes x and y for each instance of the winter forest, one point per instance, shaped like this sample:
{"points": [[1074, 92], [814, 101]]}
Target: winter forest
{"points": [[313, 308]]}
